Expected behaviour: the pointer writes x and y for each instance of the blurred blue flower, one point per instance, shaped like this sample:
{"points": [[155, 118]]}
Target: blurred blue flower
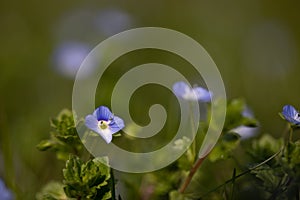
{"points": [[111, 21], [291, 115], [68, 57], [103, 122], [244, 131], [5, 194], [184, 91]]}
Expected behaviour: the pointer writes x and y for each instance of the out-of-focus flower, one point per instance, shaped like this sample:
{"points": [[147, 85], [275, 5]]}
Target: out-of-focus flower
{"points": [[184, 91], [5, 193], [111, 21], [291, 115], [92, 25], [103, 122], [68, 57], [244, 131], [81, 29], [181, 144]]}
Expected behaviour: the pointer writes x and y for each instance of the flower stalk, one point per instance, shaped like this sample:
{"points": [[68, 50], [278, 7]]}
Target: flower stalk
{"points": [[191, 174]]}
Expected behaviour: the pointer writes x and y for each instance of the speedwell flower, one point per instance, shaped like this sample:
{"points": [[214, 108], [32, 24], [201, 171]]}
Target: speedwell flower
{"points": [[291, 115], [182, 90], [103, 122]]}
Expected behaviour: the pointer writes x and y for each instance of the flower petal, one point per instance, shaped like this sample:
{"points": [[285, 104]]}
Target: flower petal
{"points": [[289, 110], [181, 89], [202, 94], [92, 123], [103, 113], [291, 114], [116, 125], [106, 134], [245, 132]]}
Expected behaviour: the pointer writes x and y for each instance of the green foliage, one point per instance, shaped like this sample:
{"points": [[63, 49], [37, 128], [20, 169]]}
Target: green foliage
{"points": [[175, 195], [185, 162], [229, 140], [265, 147], [52, 191], [279, 179], [291, 159], [273, 180], [224, 148], [64, 138], [89, 180], [235, 117], [269, 166]]}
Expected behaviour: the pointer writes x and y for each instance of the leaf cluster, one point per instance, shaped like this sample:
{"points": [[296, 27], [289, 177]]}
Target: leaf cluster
{"points": [[279, 179], [64, 138], [89, 180]]}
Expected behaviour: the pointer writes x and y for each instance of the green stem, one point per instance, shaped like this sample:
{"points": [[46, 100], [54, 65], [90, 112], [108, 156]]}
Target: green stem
{"points": [[243, 173], [193, 132], [233, 184], [286, 130], [199, 161], [291, 134], [113, 190]]}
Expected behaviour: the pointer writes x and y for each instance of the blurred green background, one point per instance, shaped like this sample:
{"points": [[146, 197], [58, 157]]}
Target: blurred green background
{"points": [[255, 44]]}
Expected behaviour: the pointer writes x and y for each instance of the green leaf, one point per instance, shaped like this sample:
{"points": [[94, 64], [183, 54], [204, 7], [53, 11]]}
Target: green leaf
{"points": [[175, 195], [265, 147], [89, 180], [64, 138], [293, 153], [225, 146], [291, 160], [186, 161], [273, 180], [234, 115], [52, 191], [72, 172], [44, 145]]}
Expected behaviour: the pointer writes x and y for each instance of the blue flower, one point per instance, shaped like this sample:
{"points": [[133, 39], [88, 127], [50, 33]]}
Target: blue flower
{"points": [[182, 90], [291, 115], [245, 131], [103, 122], [5, 194], [68, 56]]}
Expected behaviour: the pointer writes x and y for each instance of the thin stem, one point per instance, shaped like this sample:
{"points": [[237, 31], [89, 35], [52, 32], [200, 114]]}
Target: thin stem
{"points": [[291, 134], [191, 174], [113, 190], [233, 184], [286, 130], [243, 173], [199, 161], [193, 132]]}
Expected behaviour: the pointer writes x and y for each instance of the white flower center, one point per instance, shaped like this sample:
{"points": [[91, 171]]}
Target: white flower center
{"points": [[190, 95], [297, 117], [103, 124]]}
